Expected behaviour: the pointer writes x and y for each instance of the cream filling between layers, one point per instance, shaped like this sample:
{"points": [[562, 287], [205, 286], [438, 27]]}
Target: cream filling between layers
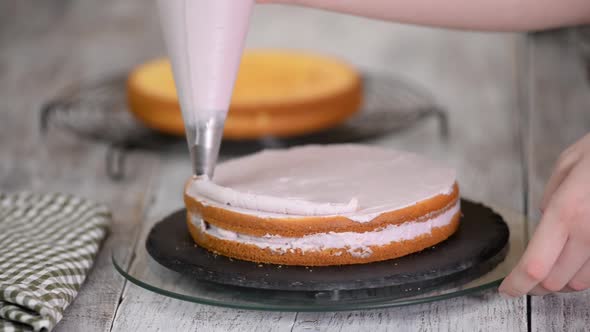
{"points": [[357, 244]]}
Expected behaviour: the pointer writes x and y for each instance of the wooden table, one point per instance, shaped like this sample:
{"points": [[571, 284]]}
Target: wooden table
{"points": [[514, 101]]}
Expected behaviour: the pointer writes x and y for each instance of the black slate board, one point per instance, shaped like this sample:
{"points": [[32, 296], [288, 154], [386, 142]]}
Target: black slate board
{"points": [[479, 244]]}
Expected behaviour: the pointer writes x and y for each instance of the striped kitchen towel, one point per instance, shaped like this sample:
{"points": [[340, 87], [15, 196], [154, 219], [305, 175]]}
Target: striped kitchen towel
{"points": [[47, 245]]}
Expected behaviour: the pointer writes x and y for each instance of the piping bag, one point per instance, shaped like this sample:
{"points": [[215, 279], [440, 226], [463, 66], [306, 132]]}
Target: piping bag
{"points": [[205, 40]]}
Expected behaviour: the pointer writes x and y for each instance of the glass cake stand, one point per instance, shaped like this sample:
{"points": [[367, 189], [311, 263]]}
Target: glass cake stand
{"points": [[145, 272]]}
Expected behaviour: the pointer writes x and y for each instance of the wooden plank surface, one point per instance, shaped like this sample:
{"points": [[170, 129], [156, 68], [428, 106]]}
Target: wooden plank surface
{"points": [[559, 115], [45, 46], [472, 74], [99, 37]]}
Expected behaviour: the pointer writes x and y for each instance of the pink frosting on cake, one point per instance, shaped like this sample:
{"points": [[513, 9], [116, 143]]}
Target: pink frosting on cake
{"points": [[356, 181]]}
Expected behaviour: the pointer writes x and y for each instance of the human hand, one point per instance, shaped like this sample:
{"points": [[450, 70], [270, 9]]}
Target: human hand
{"points": [[557, 258]]}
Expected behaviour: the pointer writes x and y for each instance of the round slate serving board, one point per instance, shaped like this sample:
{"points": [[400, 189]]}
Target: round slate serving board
{"points": [[478, 246]]}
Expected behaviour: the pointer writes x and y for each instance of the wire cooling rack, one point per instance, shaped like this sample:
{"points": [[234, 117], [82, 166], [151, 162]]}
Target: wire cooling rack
{"points": [[98, 111]]}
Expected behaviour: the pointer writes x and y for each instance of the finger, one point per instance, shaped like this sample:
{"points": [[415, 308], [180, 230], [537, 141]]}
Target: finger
{"points": [[570, 261], [542, 291], [539, 257], [581, 281], [539, 291], [562, 168], [567, 289]]}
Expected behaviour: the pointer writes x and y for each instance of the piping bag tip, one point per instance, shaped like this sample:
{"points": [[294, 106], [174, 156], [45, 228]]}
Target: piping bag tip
{"points": [[204, 142], [203, 161]]}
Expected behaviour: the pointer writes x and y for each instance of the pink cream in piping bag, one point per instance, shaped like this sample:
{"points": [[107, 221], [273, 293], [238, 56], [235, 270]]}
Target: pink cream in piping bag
{"points": [[205, 41]]}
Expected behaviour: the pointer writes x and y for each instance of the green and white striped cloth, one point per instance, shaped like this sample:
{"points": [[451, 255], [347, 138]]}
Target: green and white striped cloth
{"points": [[47, 245]]}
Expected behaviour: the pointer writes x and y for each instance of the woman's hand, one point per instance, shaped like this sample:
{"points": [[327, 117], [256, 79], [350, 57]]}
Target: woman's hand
{"points": [[557, 258]]}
